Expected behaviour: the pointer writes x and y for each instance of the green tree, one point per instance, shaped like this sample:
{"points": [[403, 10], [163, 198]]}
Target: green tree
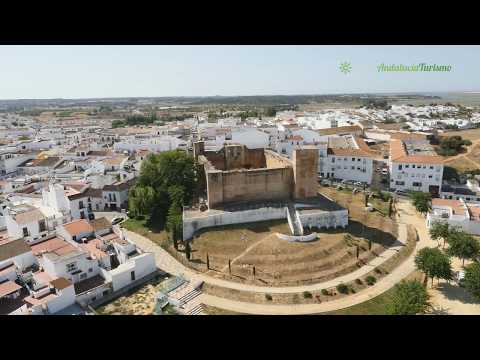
{"points": [[172, 176], [463, 246], [434, 264], [421, 201], [440, 230], [141, 200], [409, 298], [472, 279], [174, 223]]}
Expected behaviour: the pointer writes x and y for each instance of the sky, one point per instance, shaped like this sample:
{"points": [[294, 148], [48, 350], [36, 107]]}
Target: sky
{"points": [[44, 72]]}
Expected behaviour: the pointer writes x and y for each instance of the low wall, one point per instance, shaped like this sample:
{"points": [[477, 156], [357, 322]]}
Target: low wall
{"points": [[303, 238], [192, 225]]}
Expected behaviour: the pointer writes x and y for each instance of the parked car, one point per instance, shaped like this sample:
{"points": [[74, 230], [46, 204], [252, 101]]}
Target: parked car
{"points": [[401, 192], [384, 172], [117, 220]]}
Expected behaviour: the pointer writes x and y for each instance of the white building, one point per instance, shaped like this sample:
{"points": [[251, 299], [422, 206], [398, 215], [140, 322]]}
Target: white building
{"points": [[414, 165], [348, 158], [455, 213]]}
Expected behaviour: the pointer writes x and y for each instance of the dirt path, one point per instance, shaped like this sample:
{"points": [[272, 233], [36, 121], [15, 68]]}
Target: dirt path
{"points": [[464, 155], [169, 264]]}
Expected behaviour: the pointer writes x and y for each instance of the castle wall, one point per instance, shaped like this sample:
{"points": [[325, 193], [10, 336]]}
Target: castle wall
{"points": [[249, 185]]}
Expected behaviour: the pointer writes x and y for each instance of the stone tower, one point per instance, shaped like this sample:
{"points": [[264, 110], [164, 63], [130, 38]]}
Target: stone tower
{"points": [[305, 165]]}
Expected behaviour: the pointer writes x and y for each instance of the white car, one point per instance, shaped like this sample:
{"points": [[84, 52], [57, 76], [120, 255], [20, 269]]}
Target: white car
{"points": [[384, 172]]}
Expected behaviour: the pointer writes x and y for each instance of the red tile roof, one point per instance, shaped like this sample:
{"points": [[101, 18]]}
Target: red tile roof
{"points": [[8, 287]]}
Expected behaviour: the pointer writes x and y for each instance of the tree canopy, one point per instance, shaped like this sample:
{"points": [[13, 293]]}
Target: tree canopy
{"points": [[440, 231], [463, 245], [409, 298], [452, 145], [472, 279], [421, 201], [166, 182], [433, 263]]}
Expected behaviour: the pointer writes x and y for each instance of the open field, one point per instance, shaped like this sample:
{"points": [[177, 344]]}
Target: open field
{"points": [[462, 164], [474, 154], [470, 134]]}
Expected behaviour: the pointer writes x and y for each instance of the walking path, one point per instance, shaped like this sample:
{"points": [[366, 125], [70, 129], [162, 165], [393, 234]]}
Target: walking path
{"points": [[406, 215]]}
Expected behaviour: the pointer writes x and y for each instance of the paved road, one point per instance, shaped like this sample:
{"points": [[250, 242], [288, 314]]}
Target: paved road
{"points": [[406, 215]]}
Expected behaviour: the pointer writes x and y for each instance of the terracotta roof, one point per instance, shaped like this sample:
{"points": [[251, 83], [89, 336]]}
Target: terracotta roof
{"points": [[398, 153], [55, 245], [60, 283], [340, 129], [295, 137], [456, 205], [397, 149], [348, 152], [115, 160], [8, 287], [13, 248], [29, 216], [78, 227], [93, 247]]}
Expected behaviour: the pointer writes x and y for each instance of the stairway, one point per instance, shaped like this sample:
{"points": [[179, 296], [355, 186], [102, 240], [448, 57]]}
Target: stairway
{"points": [[296, 227]]}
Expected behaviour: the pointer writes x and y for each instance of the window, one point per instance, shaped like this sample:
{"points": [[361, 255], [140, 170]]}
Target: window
{"points": [[41, 226], [359, 159], [333, 159], [132, 275], [105, 293], [353, 167], [353, 159], [83, 276], [415, 183], [82, 215], [407, 166], [90, 270], [413, 166], [399, 182], [80, 204], [25, 231], [399, 167], [71, 267], [431, 167], [430, 176]]}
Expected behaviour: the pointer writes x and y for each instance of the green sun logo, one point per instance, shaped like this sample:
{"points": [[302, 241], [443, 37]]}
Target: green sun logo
{"points": [[345, 67]]}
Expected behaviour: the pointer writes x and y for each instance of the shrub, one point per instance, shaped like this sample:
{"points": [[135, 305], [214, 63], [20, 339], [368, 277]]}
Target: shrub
{"points": [[378, 271], [370, 280], [268, 297], [325, 292], [352, 290], [358, 281], [342, 288], [307, 294]]}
